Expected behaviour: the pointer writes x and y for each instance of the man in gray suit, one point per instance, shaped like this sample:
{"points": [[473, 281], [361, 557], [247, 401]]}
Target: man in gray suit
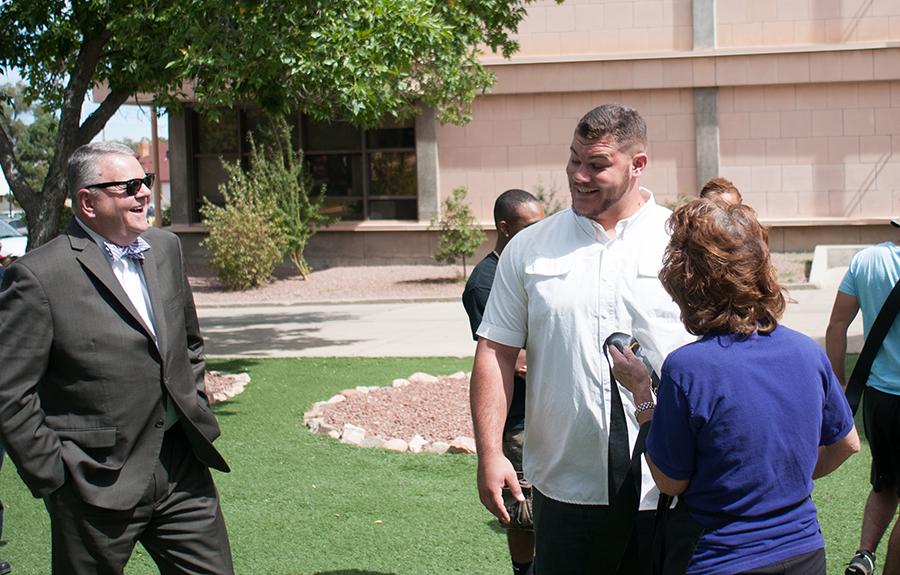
{"points": [[103, 406]]}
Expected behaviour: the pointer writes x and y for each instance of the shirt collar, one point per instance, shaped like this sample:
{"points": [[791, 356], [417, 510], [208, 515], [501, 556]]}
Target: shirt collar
{"points": [[103, 242], [594, 229]]}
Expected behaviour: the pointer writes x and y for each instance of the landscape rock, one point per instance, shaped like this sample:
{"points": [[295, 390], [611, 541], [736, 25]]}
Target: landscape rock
{"points": [[372, 441], [396, 445], [349, 392], [327, 429], [439, 447], [399, 383], [458, 375], [420, 377], [417, 443], [313, 424], [462, 445], [240, 377], [353, 434], [363, 389], [337, 398]]}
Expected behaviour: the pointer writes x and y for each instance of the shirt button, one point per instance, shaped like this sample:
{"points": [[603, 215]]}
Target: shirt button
{"points": [[160, 422]]}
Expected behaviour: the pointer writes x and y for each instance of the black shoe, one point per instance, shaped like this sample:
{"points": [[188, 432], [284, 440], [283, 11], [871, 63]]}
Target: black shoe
{"points": [[863, 563], [4, 568]]}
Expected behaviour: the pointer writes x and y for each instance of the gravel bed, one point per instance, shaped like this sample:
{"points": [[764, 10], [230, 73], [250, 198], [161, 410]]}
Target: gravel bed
{"points": [[436, 411]]}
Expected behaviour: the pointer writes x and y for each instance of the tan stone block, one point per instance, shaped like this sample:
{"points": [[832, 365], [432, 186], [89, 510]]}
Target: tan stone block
{"points": [[887, 121], [777, 34], [648, 74], [678, 73], [764, 179], [857, 66], [704, 72], [809, 32], [859, 177], [680, 127], [793, 10], [548, 106], [507, 133], [843, 150], [781, 151], [731, 11], [796, 123], [889, 177], [535, 132], [793, 68], [874, 149], [750, 152], [811, 97], [747, 34], [874, 94], [575, 105], [750, 99], [827, 123], [859, 122], [824, 67], [886, 63], [782, 205], [450, 136], [796, 178], [560, 18], [765, 124]]}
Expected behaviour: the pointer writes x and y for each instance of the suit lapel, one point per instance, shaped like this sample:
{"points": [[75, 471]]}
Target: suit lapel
{"points": [[155, 291], [92, 257]]}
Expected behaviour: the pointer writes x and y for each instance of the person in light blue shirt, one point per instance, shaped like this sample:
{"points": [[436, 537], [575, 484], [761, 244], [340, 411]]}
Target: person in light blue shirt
{"points": [[871, 277]]}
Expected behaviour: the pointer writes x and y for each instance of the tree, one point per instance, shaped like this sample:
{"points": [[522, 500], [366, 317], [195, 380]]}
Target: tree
{"points": [[355, 59], [32, 128], [461, 234]]}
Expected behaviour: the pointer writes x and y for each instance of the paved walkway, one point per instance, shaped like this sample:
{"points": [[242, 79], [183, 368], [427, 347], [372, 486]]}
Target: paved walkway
{"points": [[418, 329]]}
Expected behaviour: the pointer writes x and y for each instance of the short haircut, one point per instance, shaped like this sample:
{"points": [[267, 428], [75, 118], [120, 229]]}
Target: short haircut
{"points": [[82, 168], [718, 270], [619, 124], [717, 187], [506, 208]]}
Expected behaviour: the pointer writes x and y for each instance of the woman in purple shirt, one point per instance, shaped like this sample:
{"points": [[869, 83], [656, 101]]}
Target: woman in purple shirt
{"points": [[748, 415]]}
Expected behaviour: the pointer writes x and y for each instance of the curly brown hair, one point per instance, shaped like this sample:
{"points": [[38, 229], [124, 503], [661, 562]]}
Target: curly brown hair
{"points": [[718, 270], [719, 187]]}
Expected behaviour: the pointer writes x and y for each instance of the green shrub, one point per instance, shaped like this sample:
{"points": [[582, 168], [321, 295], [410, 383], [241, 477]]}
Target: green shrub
{"points": [[243, 243], [460, 232]]}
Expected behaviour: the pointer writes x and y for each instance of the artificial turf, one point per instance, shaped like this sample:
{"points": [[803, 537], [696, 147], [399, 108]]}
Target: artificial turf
{"points": [[301, 504]]}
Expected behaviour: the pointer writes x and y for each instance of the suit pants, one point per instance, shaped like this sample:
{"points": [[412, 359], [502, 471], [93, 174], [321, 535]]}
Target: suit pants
{"points": [[567, 535], [178, 521]]}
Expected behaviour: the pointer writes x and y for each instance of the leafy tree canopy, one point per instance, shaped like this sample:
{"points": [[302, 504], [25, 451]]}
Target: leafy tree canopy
{"points": [[354, 59]]}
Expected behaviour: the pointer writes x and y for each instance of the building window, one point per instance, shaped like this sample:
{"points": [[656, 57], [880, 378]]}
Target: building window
{"points": [[367, 174]]}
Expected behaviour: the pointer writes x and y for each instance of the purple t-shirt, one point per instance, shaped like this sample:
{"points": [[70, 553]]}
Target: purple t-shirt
{"points": [[742, 419]]}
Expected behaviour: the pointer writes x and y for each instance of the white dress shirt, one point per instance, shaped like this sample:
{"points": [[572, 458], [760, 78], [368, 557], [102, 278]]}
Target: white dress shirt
{"points": [[565, 286]]}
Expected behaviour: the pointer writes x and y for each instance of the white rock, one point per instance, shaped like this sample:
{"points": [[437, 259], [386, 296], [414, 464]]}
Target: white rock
{"points": [[314, 423], [372, 441], [374, 387], [328, 429], [439, 447], [400, 383], [337, 398], [417, 443], [362, 389], [462, 445], [241, 377], [458, 375], [396, 445], [352, 434], [420, 377]]}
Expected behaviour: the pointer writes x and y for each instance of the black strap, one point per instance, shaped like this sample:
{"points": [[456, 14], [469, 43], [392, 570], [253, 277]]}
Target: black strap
{"points": [[624, 475], [880, 327]]}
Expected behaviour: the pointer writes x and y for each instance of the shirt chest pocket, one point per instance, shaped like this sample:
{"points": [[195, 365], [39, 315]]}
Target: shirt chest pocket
{"points": [[550, 285]]}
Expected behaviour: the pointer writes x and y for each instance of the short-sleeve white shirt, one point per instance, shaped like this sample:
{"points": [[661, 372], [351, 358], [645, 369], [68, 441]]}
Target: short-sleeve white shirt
{"points": [[565, 286]]}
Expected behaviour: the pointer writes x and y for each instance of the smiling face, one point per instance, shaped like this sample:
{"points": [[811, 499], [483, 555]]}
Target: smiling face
{"points": [[603, 180], [111, 212]]}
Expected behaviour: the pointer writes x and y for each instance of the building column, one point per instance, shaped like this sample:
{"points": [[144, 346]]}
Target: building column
{"points": [[429, 190], [179, 172], [706, 119], [704, 14]]}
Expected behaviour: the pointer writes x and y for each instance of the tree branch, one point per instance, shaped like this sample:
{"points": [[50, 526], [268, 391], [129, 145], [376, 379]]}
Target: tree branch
{"points": [[13, 172]]}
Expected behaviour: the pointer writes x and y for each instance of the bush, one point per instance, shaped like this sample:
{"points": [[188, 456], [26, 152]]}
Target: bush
{"points": [[461, 234], [244, 245]]}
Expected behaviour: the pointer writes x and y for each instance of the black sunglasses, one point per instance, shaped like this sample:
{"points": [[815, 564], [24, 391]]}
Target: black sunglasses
{"points": [[131, 186]]}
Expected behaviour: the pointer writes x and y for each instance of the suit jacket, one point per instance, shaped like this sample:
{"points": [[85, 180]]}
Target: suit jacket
{"points": [[83, 381]]}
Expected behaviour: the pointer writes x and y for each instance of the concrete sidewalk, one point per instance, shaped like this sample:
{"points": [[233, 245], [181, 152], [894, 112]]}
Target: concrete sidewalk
{"points": [[426, 329]]}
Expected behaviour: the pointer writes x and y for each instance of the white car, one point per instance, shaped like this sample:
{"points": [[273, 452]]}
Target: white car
{"points": [[12, 243]]}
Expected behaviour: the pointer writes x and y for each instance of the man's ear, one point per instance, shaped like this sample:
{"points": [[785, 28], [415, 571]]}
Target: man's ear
{"points": [[503, 229], [85, 200], [638, 163]]}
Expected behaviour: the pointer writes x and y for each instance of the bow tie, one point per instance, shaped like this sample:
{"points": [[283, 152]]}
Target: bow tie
{"points": [[135, 250]]}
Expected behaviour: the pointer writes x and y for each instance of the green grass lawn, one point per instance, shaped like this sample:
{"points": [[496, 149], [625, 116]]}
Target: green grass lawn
{"points": [[299, 504]]}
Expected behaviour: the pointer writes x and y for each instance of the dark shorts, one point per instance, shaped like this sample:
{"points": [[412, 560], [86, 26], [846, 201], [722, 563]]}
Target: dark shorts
{"points": [[881, 420], [520, 513], [803, 564]]}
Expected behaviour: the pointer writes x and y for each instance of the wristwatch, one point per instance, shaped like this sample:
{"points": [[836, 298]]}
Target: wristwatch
{"points": [[643, 407]]}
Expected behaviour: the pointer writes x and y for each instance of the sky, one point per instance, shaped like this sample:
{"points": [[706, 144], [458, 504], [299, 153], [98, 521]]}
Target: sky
{"points": [[129, 122]]}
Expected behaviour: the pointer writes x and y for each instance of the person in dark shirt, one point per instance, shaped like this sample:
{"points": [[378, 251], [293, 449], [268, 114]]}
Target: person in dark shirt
{"points": [[514, 211]]}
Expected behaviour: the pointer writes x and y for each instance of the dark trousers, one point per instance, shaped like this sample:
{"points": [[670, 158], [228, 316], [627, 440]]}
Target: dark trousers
{"points": [[178, 521], [567, 535], [804, 564]]}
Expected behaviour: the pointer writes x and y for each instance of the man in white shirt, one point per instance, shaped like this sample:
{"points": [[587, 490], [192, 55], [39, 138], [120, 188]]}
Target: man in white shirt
{"points": [[566, 284]]}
